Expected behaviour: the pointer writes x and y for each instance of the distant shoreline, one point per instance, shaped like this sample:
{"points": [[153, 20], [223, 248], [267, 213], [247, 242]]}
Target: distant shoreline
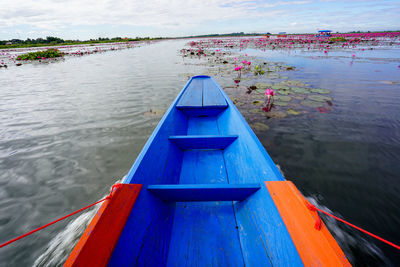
{"points": [[54, 41]]}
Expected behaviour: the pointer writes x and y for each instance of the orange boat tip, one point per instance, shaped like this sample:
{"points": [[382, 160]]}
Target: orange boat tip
{"points": [[312, 239]]}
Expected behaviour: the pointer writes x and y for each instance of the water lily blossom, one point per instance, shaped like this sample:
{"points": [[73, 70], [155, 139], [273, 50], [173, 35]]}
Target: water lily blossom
{"points": [[238, 68], [269, 92]]}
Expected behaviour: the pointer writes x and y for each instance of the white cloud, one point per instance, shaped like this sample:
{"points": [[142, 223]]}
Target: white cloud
{"points": [[166, 17]]}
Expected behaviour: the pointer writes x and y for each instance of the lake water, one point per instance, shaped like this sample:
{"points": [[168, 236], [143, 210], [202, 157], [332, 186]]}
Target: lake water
{"points": [[70, 129]]}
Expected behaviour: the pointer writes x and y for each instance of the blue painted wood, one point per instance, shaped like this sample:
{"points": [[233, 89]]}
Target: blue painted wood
{"points": [[264, 238], [146, 236], [203, 192], [193, 95], [202, 141], [202, 112], [212, 96], [250, 232], [204, 233], [202, 126]]}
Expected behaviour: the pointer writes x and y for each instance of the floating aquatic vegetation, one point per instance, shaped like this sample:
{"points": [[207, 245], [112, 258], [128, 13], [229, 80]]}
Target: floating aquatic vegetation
{"points": [[276, 114], [283, 91], [321, 98], [320, 91], [263, 85], [257, 93], [280, 103], [258, 70], [41, 55], [259, 127], [273, 75], [255, 110], [283, 98], [257, 102], [278, 86], [299, 90], [312, 104], [291, 111], [294, 83]]}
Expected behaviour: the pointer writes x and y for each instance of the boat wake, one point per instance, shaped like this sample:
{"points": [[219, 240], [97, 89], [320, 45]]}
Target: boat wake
{"points": [[350, 240], [61, 245]]}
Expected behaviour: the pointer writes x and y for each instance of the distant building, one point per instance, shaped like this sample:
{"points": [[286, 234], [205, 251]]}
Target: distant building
{"points": [[9, 43], [282, 35], [324, 33]]}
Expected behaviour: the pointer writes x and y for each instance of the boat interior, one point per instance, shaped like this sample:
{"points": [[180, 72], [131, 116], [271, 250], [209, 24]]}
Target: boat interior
{"points": [[204, 201]]}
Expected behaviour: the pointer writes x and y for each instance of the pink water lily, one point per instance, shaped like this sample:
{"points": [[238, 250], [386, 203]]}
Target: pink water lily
{"points": [[269, 92], [270, 100], [238, 68]]}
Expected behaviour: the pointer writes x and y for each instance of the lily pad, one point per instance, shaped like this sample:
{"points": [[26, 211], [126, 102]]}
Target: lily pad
{"points": [[283, 92], [321, 98], [259, 127], [279, 86], [280, 103], [257, 102], [300, 90], [312, 104], [273, 76], [319, 90], [291, 111], [276, 114], [255, 110], [263, 85], [294, 83], [282, 98]]}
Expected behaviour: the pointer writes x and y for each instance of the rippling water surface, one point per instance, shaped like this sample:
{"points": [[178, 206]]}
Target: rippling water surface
{"points": [[71, 129]]}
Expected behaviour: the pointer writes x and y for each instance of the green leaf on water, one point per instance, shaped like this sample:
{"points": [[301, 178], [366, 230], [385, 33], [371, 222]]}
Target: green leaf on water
{"points": [[291, 111], [280, 103], [276, 114], [259, 127], [255, 110], [263, 85], [321, 98], [283, 92], [300, 90], [319, 91], [294, 83], [257, 102], [312, 104], [282, 98]]}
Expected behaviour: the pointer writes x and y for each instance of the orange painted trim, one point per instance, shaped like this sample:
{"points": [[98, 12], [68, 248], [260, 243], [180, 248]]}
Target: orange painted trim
{"points": [[315, 247], [99, 239]]}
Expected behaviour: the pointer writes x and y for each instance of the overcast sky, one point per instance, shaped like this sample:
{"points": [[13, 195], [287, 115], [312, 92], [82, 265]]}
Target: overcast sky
{"points": [[85, 19]]}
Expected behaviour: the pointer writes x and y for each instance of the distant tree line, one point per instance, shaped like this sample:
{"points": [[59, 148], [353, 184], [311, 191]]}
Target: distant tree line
{"points": [[50, 40], [227, 34]]}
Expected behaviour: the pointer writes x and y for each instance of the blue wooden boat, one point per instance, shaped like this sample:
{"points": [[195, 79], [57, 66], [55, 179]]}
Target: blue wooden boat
{"points": [[204, 192]]}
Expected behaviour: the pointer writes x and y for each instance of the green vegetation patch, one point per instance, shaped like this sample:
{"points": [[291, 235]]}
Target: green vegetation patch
{"points": [[320, 91], [283, 98], [49, 53], [321, 98], [259, 127]]}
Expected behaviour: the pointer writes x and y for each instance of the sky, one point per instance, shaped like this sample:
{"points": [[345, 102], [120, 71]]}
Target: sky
{"points": [[85, 19]]}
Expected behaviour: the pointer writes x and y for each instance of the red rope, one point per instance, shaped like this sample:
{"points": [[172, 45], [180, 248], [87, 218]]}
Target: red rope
{"points": [[116, 186], [314, 208]]}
